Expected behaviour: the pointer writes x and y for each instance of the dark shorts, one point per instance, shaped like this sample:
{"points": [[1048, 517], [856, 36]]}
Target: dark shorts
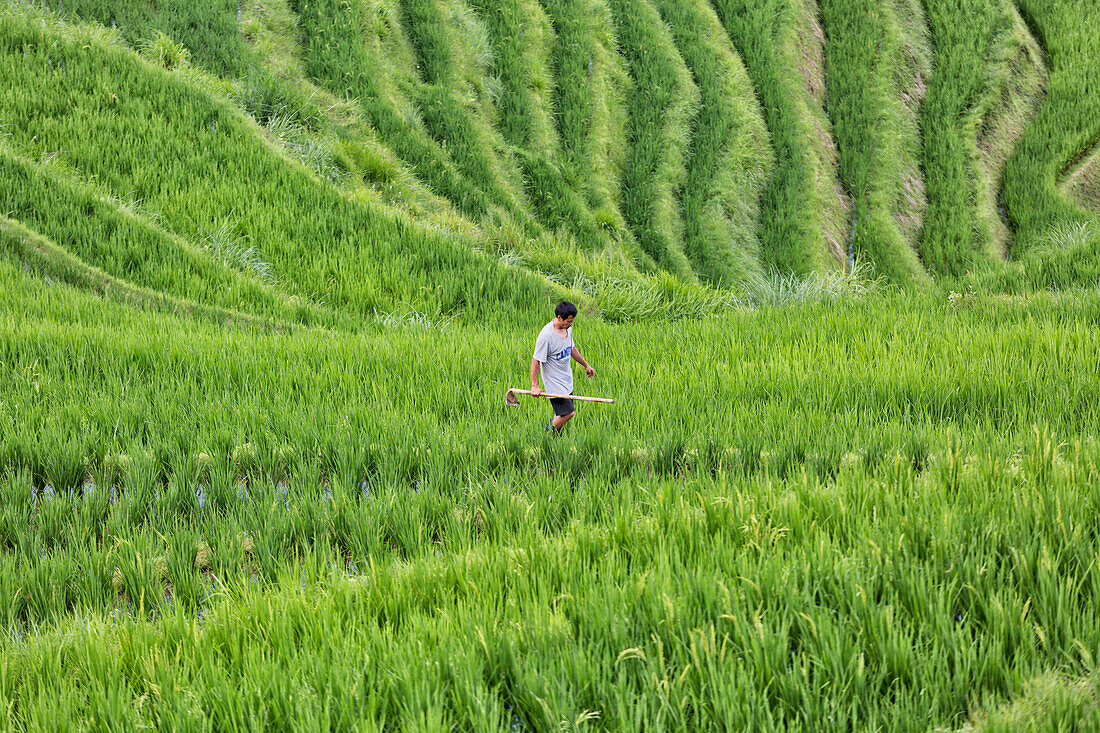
{"points": [[562, 406]]}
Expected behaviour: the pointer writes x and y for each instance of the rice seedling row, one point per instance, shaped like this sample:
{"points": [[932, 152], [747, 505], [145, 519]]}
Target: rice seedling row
{"points": [[765, 604]]}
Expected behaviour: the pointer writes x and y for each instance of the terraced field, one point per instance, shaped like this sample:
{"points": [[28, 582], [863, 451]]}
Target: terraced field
{"points": [[267, 269]]}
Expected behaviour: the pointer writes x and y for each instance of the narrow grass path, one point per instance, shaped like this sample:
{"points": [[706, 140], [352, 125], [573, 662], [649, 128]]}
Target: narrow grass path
{"points": [[1082, 182]]}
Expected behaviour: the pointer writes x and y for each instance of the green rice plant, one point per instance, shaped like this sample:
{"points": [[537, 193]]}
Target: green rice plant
{"points": [[1066, 127], [662, 111], [730, 157], [140, 573], [166, 53], [805, 215], [871, 64], [142, 485], [726, 581], [183, 548]]}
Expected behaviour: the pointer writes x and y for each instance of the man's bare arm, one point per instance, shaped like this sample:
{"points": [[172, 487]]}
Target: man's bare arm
{"points": [[580, 359], [535, 388]]}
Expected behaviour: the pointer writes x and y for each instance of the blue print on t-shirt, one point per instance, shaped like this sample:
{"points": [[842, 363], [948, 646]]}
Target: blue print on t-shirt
{"points": [[563, 354]]}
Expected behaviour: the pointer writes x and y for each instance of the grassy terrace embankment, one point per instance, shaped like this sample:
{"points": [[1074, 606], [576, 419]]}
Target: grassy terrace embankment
{"points": [[453, 100], [522, 38], [871, 64], [802, 224], [104, 113], [959, 97], [339, 56], [730, 156], [989, 83], [208, 28], [1068, 124], [589, 102], [661, 112], [122, 244]]}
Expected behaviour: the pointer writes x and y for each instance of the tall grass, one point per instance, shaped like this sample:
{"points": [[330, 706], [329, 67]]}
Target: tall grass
{"points": [[662, 111], [730, 157], [1066, 260], [871, 65], [1067, 126]]}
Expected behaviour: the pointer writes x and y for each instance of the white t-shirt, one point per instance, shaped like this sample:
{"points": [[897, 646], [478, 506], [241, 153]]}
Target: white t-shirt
{"points": [[553, 352]]}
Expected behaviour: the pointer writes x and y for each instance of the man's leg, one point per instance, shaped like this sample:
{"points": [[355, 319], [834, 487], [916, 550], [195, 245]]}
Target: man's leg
{"points": [[559, 421]]}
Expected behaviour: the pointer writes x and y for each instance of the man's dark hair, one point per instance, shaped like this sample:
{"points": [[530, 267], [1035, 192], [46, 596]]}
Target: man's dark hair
{"points": [[565, 309]]}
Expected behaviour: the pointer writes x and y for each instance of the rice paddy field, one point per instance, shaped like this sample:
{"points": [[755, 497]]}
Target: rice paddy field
{"points": [[268, 269]]}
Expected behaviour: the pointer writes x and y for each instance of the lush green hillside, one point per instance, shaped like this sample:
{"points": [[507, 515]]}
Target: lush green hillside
{"points": [[587, 143], [268, 268]]}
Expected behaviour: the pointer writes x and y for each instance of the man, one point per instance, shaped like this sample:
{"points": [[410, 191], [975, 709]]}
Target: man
{"points": [[553, 349]]}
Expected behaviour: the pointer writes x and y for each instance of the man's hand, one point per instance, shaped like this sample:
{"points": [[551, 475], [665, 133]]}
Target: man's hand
{"points": [[589, 371], [535, 390]]}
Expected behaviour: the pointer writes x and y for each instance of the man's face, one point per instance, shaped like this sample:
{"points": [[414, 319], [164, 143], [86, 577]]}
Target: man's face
{"points": [[565, 322]]}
